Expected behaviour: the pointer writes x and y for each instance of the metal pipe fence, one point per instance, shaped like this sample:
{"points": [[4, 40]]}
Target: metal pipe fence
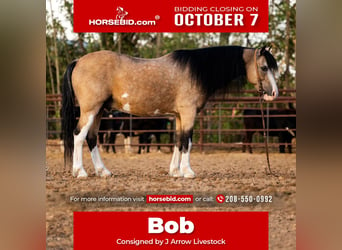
{"points": [[219, 125]]}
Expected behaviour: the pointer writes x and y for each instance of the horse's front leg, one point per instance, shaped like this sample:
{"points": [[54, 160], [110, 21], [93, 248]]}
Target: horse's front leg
{"points": [[185, 168], [180, 163]]}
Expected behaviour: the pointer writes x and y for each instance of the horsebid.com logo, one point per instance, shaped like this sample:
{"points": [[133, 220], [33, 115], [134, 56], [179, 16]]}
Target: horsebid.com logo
{"points": [[120, 19]]}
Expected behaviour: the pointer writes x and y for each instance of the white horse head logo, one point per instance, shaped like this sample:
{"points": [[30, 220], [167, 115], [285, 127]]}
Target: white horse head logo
{"points": [[121, 13]]}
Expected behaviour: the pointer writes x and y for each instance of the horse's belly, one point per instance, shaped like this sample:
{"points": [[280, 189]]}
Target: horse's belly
{"points": [[143, 104]]}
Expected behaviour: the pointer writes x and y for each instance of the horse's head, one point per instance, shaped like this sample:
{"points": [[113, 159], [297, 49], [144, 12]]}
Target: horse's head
{"points": [[120, 10], [266, 70]]}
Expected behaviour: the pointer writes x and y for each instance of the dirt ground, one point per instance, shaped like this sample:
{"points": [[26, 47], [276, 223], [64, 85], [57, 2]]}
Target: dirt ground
{"points": [[217, 172]]}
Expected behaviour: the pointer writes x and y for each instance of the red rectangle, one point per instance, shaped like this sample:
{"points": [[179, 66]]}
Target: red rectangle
{"points": [[171, 16], [181, 230], [169, 199]]}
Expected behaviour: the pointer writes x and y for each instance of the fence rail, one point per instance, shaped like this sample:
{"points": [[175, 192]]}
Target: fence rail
{"points": [[219, 124]]}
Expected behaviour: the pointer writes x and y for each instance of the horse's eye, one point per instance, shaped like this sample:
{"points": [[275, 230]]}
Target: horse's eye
{"points": [[264, 68]]}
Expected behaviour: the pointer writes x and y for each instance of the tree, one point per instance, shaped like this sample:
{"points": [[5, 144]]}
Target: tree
{"points": [[55, 48], [283, 25]]}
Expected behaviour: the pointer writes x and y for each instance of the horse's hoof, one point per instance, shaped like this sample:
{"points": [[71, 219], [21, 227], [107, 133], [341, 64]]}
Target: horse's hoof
{"points": [[82, 176], [189, 175], [103, 172], [175, 173], [80, 173]]}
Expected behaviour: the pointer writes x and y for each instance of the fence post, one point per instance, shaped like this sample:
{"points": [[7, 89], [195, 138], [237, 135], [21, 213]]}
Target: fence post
{"points": [[47, 122], [220, 124], [201, 131]]}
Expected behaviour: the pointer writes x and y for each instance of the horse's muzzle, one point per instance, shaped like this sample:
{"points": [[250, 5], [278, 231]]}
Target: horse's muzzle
{"points": [[271, 97]]}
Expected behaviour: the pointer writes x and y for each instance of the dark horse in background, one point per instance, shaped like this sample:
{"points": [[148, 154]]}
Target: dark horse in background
{"points": [[112, 127], [176, 84], [107, 124], [280, 120]]}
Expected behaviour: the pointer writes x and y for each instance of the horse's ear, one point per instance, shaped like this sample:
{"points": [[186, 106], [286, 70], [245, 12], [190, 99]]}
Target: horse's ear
{"points": [[262, 50]]}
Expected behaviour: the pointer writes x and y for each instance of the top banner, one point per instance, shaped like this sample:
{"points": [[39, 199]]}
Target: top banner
{"points": [[171, 16]]}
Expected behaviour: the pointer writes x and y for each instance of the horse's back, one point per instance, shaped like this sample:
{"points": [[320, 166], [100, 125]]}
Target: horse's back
{"points": [[96, 63], [134, 85]]}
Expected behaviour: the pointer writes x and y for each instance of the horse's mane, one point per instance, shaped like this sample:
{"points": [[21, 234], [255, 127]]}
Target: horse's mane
{"points": [[214, 69], [271, 62]]}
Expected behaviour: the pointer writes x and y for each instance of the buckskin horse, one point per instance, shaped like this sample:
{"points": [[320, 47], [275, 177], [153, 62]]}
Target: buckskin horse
{"points": [[178, 83]]}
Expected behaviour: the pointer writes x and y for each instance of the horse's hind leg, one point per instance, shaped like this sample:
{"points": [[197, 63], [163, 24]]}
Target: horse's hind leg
{"points": [[100, 169], [141, 141], [80, 133], [282, 141], [158, 140], [289, 143], [149, 142], [112, 139]]}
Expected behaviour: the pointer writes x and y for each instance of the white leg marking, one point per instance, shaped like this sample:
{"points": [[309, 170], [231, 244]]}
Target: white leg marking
{"points": [[125, 95], [100, 169], [126, 107], [185, 168], [174, 165], [77, 167]]}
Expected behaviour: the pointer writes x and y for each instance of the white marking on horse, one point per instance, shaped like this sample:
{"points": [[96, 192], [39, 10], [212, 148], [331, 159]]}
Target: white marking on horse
{"points": [[100, 169], [156, 111], [185, 168], [290, 131], [126, 107], [273, 83], [174, 165], [125, 95], [77, 167]]}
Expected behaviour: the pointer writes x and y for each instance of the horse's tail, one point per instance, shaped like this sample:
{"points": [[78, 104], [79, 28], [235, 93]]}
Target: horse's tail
{"points": [[68, 113]]}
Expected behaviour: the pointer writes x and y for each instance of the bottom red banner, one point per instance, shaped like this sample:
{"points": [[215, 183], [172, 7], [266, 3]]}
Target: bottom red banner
{"points": [[171, 230]]}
